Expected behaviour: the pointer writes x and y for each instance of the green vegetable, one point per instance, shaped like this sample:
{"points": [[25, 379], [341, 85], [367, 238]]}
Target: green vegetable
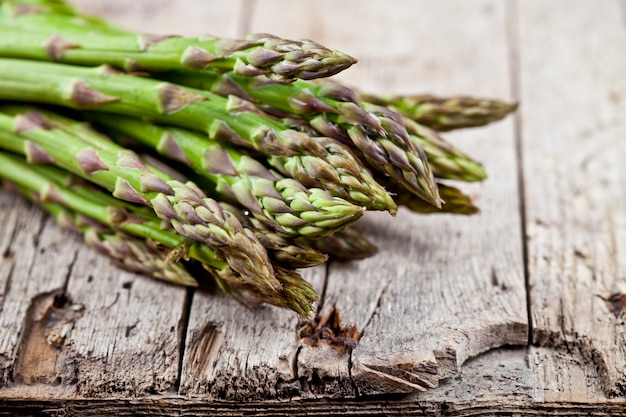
{"points": [[258, 54], [445, 113], [183, 206]]}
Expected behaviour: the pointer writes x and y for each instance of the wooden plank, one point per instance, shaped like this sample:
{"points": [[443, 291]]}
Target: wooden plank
{"points": [[442, 289], [572, 70]]}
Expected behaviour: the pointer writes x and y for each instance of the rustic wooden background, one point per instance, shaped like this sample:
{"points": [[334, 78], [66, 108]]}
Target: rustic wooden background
{"points": [[519, 309]]}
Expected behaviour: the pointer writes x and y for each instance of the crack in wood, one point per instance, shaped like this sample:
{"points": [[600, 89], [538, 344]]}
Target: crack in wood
{"points": [[70, 269], [564, 334], [183, 328], [204, 348], [511, 10], [294, 362], [323, 360], [375, 306], [49, 320], [8, 252], [320, 303], [42, 224], [355, 387], [7, 285]]}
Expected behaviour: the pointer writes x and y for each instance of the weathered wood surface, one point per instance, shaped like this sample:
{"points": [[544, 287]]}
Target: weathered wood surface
{"points": [[575, 194], [441, 291]]}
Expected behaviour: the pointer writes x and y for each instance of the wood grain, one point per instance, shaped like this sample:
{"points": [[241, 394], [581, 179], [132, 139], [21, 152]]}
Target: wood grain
{"points": [[572, 136], [562, 376]]}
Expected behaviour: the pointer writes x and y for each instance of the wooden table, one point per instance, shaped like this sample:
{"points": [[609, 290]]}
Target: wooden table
{"points": [[518, 310]]}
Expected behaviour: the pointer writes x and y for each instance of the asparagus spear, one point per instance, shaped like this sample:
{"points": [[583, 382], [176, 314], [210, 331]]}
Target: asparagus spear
{"points": [[183, 206], [257, 54], [446, 161], [109, 91], [298, 295], [17, 8], [283, 204], [334, 111], [455, 202], [324, 104], [333, 167], [52, 185], [49, 185], [126, 251], [339, 172], [445, 113]]}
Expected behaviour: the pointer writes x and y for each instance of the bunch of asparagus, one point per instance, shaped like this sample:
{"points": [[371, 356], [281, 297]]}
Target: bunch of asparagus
{"points": [[167, 152]]}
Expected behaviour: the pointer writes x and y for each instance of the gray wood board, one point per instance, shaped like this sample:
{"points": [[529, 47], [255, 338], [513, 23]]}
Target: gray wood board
{"points": [[573, 94]]}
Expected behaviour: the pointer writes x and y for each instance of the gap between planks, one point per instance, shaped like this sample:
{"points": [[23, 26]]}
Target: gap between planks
{"points": [[513, 44]]}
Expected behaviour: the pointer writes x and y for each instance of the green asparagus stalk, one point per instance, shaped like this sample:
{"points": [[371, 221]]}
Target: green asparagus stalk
{"points": [[283, 204], [349, 244], [319, 102], [445, 113], [455, 202], [183, 206], [298, 295], [323, 162], [127, 252], [17, 8], [446, 161], [334, 111], [52, 185], [49, 185], [109, 91], [257, 54], [339, 172]]}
